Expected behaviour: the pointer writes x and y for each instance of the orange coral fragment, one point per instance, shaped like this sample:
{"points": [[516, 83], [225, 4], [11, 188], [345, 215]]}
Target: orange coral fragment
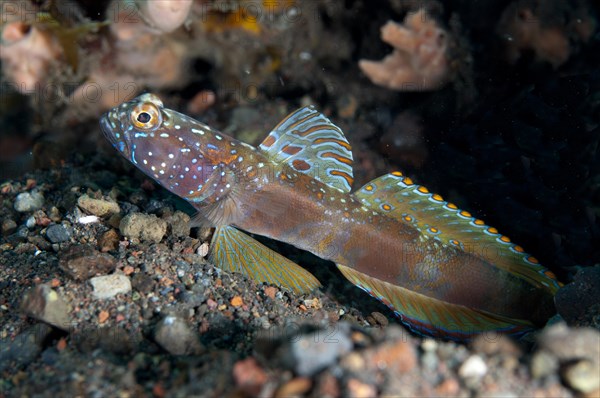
{"points": [[419, 60], [28, 52]]}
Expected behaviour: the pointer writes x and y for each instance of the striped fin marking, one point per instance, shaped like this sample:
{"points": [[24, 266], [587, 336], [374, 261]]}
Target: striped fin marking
{"points": [[433, 317], [234, 251], [399, 197], [311, 144]]}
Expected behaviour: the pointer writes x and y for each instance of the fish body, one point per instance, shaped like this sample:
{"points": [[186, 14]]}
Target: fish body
{"points": [[444, 272]]}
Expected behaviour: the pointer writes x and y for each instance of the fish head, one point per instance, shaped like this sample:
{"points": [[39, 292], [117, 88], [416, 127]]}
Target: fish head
{"points": [[180, 153]]}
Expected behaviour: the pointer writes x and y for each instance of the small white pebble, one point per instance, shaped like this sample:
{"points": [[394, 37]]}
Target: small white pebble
{"points": [[30, 223], [203, 250], [473, 367], [429, 345], [87, 219]]}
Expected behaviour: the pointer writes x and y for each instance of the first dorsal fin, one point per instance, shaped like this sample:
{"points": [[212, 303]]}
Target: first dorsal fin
{"points": [[434, 317], [234, 251], [309, 143], [397, 196]]}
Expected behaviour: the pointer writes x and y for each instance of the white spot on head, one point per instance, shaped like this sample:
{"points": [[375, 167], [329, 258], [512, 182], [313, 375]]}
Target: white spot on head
{"points": [[149, 153], [177, 127], [171, 156], [218, 137], [260, 164], [153, 168], [163, 164], [187, 169], [194, 160], [145, 161]]}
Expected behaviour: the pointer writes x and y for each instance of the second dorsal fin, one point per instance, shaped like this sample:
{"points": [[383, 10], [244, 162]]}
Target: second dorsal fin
{"points": [[398, 196], [309, 143]]}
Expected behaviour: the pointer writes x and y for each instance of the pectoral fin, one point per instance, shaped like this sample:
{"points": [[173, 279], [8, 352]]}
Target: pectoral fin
{"points": [[234, 251]]}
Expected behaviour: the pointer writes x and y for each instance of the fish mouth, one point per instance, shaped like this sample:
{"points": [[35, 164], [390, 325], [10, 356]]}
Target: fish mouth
{"points": [[109, 128]]}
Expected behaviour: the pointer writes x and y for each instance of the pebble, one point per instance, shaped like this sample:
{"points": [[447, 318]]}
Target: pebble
{"points": [[45, 304], [103, 316], [57, 233], [249, 376], [109, 286], [179, 224], [108, 241], [448, 388], [358, 389], [8, 226], [98, 207], [396, 356], [40, 242], [20, 234], [294, 388], [571, 344], [583, 376], [29, 201], [175, 336], [379, 319], [237, 301], [429, 345], [203, 250], [328, 386], [146, 227], [143, 283], [81, 262], [30, 222], [23, 349], [493, 344], [473, 367], [315, 351], [543, 364]]}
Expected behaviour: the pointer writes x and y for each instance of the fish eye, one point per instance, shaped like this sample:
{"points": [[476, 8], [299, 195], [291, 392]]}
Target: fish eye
{"points": [[146, 116], [143, 117]]}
